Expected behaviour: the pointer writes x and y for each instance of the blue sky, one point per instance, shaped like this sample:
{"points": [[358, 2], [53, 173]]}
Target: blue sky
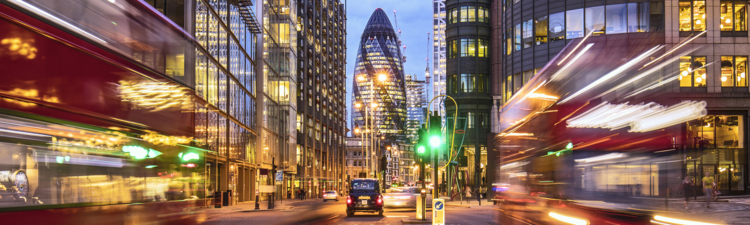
{"points": [[414, 20]]}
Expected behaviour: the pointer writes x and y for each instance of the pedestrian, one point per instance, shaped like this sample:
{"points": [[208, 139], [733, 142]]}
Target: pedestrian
{"points": [[687, 188], [484, 192], [468, 194], [708, 181]]}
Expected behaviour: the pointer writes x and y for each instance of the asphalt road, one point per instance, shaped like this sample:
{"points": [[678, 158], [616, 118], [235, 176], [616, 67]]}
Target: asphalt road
{"points": [[318, 212]]}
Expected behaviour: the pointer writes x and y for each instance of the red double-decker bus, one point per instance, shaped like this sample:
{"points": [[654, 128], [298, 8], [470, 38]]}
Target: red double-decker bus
{"points": [[97, 115]]}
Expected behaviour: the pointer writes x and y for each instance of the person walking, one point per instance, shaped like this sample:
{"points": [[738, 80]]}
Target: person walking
{"points": [[468, 194], [708, 182], [687, 188]]}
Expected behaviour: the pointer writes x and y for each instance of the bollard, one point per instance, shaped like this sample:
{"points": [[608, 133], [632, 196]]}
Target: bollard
{"points": [[257, 204]]}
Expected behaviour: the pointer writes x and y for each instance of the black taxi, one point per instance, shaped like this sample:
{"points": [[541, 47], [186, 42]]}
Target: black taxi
{"points": [[364, 196]]}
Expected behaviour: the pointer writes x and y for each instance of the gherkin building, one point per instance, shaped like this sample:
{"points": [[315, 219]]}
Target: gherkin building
{"points": [[379, 79]]}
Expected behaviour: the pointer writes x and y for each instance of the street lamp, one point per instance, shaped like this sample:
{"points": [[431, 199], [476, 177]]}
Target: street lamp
{"points": [[382, 77]]}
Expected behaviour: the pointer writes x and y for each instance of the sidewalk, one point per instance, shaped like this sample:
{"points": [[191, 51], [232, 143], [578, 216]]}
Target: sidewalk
{"points": [[250, 207], [470, 204]]}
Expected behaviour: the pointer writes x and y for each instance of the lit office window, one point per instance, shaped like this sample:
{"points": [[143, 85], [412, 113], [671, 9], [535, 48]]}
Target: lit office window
{"points": [[483, 48], [638, 17], [692, 15], [595, 20], [472, 17], [468, 48], [557, 27], [454, 16], [617, 21], [733, 17], [483, 15], [541, 30], [733, 71], [692, 71], [574, 24]]}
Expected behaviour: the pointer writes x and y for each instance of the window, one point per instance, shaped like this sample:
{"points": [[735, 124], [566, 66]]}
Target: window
{"points": [[518, 37], [557, 26], [483, 48], [452, 49], [616, 19], [468, 48], [528, 33], [453, 84], [468, 14], [470, 120], [638, 17], [509, 45], [692, 15], [692, 72], [483, 15], [574, 24], [300, 123], [733, 71], [541, 30], [733, 18], [453, 16], [595, 20]]}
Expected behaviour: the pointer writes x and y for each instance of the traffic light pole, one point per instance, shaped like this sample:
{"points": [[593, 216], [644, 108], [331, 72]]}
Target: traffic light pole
{"points": [[421, 178]]}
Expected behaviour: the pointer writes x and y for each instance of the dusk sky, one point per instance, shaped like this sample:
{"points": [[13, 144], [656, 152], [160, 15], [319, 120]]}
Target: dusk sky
{"points": [[414, 20]]}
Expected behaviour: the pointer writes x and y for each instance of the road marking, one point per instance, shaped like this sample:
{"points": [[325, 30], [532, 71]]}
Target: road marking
{"points": [[515, 218]]}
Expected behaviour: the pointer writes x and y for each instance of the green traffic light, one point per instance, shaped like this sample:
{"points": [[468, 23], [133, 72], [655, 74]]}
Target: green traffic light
{"points": [[435, 141], [420, 149]]}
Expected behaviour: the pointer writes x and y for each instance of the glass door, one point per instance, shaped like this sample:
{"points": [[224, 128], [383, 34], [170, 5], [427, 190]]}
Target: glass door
{"points": [[723, 178]]}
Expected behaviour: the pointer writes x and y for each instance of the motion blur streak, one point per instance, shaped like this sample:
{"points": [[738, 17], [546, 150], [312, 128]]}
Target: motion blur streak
{"points": [[679, 221], [644, 74], [600, 158], [613, 117], [613, 73], [675, 48], [44, 14], [571, 61], [650, 87], [679, 113], [574, 49], [568, 219]]}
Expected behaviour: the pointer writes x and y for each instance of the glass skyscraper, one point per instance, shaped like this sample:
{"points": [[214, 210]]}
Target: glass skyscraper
{"points": [[379, 78]]}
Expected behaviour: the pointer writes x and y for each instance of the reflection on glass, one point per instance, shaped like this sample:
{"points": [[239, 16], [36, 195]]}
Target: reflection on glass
{"points": [[541, 30], [616, 19], [728, 134], [740, 16], [509, 42], [557, 26], [528, 33], [725, 23], [699, 76], [595, 20], [518, 37], [638, 17], [685, 16], [727, 71], [699, 15], [740, 69], [685, 71], [574, 24]]}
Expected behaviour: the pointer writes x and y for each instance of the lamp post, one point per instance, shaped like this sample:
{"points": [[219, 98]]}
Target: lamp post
{"points": [[370, 128]]}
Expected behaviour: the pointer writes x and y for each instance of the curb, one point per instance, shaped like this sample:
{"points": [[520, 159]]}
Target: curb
{"points": [[415, 221], [463, 206]]}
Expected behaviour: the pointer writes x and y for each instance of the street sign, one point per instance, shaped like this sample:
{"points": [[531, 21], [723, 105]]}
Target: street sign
{"points": [[438, 211], [279, 176]]}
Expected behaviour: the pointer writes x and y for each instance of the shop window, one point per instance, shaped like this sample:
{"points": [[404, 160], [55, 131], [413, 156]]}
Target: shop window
{"points": [[692, 15], [483, 48], [733, 18], [595, 20], [518, 37], [574, 24], [541, 30], [528, 33], [729, 132], [733, 71], [692, 71], [557, 27], [617, 22], [638, 17]]}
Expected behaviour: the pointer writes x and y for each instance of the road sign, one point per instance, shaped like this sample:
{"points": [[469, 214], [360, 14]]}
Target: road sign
{"points": [[279, 176], [438, 211]]}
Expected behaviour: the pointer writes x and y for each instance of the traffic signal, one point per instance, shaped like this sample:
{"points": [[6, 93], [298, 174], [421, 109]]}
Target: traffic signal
{"points": [[422, 145], [436, 135]]}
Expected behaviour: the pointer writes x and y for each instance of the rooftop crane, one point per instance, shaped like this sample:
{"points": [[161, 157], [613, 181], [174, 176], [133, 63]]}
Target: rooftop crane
{"points": [[403, 53]]}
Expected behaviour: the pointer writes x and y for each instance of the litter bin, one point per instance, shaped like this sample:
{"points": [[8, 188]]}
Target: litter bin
{"points": [[226, 198], [217, 199]]}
